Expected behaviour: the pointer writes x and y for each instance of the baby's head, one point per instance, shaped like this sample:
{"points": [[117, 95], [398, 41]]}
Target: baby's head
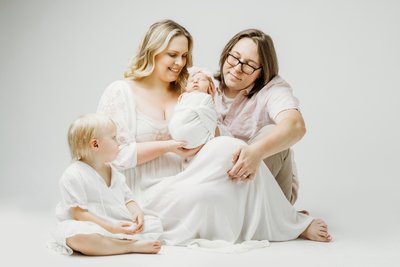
{"points": [[89, 132], [200, 80]]}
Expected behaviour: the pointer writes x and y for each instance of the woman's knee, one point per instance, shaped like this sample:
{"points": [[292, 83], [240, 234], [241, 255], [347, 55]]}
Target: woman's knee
{"points": [[280, 162], [225, 144]]}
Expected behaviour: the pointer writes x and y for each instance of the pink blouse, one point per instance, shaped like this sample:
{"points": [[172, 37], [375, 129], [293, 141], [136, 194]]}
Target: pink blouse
{"points": [[244, 117]]}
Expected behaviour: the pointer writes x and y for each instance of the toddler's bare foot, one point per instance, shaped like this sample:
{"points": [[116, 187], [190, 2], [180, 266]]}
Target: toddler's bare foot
{"points": [[146, 246], [317, 231]]}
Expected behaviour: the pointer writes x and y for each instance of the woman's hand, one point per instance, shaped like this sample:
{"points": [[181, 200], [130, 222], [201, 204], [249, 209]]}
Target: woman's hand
{"points": [[122, 228], [138, 218], [177, 148], [246, 161]]}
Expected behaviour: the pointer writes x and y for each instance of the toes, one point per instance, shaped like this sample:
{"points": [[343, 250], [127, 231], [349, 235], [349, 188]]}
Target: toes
{"points": [[321, 223], [157, 245], [325, 237], [322, 231]]}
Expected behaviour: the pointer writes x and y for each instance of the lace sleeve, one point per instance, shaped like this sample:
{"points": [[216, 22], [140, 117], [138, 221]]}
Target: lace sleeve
{"points": [[118, 104]]}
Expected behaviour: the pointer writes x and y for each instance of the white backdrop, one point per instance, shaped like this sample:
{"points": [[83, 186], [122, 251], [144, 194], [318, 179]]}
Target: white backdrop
{"points": [[341, 57]]}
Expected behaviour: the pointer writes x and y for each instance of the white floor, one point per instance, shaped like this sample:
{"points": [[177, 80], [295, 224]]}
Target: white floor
{"points": [[24, 235]]}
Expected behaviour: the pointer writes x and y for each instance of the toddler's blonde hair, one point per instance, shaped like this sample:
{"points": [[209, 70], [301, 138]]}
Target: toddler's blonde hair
{"points": [[83, 130]]}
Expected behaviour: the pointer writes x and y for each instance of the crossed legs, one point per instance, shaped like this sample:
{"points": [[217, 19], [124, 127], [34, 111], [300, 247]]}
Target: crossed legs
{"points": [[98, 245]]}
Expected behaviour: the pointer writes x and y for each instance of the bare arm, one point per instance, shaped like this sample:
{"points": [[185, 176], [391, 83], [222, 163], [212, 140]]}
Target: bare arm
{"points": [[137, 215], [289, 129], [148, 151], [80, 214]]}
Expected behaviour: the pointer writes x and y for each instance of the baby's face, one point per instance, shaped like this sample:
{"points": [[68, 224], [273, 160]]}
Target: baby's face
{"points": [[198, 82]]}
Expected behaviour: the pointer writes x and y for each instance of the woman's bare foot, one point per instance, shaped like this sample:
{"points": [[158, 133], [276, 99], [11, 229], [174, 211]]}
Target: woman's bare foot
{"points": [[146, 246], [317, 231], [304, 212]]}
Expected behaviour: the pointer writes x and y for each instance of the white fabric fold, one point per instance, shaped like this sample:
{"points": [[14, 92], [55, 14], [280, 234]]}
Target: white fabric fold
{"points": [[222, 246]]}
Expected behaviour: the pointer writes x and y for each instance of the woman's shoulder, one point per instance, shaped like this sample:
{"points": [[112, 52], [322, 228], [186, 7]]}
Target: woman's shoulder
{"points": [[276, 85], [119, 85], [277, 81], [120, 90]]}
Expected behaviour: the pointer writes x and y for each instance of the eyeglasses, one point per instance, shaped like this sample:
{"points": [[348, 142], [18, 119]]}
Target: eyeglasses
{"points": [[246, 68]]}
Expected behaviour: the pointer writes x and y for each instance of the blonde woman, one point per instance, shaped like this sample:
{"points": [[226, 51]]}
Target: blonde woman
{"points": [[199, 201], [143, 103]]}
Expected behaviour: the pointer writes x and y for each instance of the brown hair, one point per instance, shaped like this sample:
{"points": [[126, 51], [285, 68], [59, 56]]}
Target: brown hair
{"points": [[266, 51]]}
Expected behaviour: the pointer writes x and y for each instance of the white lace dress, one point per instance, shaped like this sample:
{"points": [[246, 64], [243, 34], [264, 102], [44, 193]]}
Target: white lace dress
{"points": [[199, 203], [118, 102]]}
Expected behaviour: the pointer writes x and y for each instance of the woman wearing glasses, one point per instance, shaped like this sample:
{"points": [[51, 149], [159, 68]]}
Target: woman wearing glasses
{"points": [[258, 107], [198, 202]]}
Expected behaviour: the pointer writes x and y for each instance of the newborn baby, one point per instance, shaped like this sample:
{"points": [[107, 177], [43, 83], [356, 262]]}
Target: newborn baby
{"points": [[195, 119]]}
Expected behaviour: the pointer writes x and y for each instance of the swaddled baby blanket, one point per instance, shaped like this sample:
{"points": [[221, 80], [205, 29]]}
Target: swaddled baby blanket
{"points": [[194, 120]]}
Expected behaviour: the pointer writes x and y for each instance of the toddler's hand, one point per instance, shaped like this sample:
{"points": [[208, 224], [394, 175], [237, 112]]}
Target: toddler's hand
{"points": [[123, 228], [138, 219]]}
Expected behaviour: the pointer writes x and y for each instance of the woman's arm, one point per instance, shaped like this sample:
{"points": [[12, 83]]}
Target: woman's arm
{"points": [[137, 215], [148, 151], [290, 128], [118, 103], [80, 214]]}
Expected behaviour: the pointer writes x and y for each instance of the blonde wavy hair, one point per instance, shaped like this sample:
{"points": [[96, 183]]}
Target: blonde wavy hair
{"points": [[84, 129], [154, 42]]}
